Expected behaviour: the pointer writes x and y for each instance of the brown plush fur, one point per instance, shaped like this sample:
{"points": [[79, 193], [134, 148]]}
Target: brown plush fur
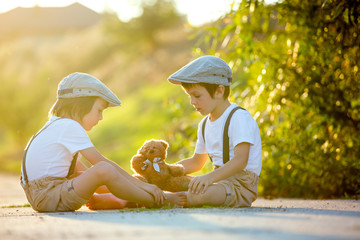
{"points": [[170, 178]]}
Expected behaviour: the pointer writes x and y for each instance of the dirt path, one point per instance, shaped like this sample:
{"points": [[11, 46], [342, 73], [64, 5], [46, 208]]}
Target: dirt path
{"points": [[267, 219]]}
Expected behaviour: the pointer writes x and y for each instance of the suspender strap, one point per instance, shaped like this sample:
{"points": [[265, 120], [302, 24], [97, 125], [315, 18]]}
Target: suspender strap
{"points": [[73, 162], [226, 150], [226, 154], [23, 162], [26, 149]]}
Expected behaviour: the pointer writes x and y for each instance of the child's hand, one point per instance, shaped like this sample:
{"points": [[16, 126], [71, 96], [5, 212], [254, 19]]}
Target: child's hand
{"points": [[200, 184], [157, 193]]}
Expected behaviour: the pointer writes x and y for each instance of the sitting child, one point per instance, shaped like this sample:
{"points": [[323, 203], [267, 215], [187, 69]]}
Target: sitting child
{"points": [[51, 155], [235, 153]]}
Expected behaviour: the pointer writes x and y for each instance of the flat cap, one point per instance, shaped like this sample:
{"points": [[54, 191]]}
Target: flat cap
{"points": [[206, 69], [83, 85]]}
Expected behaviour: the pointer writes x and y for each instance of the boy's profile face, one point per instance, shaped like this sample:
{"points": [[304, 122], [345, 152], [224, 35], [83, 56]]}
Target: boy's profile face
{"points": [[92, 118], [201, 99]]}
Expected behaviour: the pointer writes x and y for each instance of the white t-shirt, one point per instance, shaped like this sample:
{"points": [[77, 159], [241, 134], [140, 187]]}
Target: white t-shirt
{"points": [[242, 128], [51, 152]]}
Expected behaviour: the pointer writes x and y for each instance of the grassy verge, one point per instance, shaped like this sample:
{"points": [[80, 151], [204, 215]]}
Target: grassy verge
{"points": [[17, 206]]}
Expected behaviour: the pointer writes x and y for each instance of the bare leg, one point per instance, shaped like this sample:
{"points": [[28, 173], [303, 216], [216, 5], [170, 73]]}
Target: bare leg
{"points": [[215, 195], [104, 173], [109, 201]]}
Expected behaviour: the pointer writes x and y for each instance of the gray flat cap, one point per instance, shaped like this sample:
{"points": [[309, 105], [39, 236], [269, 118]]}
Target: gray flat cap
{"points": [[206, 69], [83, 85]]}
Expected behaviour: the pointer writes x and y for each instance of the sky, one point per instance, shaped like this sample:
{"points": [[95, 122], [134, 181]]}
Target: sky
{"points": [[197, 11]]}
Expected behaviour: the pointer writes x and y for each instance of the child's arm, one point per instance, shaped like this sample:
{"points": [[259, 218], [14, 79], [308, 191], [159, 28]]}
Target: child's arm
{"points": [[93, 156], [195, 163], [236, 164]]}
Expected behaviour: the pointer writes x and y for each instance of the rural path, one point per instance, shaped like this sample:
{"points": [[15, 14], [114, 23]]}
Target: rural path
{"points": [[266, 219]]}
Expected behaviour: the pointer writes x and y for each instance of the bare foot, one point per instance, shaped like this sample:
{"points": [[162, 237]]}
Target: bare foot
{"points": [[106, 201], [187, 203], [177, 199]]}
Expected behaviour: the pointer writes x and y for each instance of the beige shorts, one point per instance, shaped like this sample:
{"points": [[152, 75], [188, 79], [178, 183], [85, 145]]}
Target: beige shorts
{"points": [[241, 189], [53, 194]]}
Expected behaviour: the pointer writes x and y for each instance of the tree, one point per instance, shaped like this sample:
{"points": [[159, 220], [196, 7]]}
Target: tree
{"points": [[142, 33], [296, 69]]}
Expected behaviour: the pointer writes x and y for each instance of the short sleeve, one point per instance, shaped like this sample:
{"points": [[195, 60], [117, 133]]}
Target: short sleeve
{"points": [[241, 128], [200, 143], [74, 137]]}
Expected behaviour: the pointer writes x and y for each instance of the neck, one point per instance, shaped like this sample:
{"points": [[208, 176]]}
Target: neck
{"points": [[65, 115], [219, 110]]}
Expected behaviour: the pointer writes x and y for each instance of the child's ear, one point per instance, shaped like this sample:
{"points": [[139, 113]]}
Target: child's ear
{"points": [[220, 90]]}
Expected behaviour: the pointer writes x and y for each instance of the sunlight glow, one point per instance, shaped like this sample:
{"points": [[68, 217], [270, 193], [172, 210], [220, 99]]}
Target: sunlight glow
{"points": [[202, 11], [197, 11]]}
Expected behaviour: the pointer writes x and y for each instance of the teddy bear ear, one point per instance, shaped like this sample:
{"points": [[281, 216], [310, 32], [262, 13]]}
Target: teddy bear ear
{"points": [[165, 144], [142, 149]]}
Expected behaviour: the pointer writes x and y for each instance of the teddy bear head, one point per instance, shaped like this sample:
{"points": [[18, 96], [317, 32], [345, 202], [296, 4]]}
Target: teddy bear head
{"points": [[154, 150]]}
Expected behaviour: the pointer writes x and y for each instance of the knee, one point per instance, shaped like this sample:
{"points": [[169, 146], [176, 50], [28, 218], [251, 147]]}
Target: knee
{"points": [[215, 195], [104, 171], [196, 200]]}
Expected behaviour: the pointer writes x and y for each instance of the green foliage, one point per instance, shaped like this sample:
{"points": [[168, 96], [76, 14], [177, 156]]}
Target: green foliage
{"points": [[149, 113], [295, 65], [32, 66], [143, 116], [144, 32], [296, 69]]}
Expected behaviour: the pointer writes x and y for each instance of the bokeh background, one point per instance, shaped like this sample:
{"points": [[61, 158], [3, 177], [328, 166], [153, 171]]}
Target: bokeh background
{"points": [[295, 69]]}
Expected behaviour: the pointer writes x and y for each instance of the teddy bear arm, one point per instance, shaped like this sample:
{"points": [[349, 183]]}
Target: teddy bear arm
{"points": [[177, 170], [137, 162], [178, 184]]}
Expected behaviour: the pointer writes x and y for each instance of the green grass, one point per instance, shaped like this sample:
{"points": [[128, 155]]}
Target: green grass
{"points": [[17, 206]]}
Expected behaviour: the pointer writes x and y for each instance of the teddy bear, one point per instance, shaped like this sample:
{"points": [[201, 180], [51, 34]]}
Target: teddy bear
{"points": [[150, 166]]}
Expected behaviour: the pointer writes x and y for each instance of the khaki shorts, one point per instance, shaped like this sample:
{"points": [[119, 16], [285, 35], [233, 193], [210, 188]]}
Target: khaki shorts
{"points": [[53, 194], [241, 189]]}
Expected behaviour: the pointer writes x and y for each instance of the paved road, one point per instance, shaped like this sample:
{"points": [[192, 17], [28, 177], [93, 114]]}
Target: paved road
{"points": [[267, 219]]}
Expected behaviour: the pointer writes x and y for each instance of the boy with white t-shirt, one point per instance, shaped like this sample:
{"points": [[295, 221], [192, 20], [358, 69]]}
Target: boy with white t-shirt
{"points": [[50, 157], [228, 135]]}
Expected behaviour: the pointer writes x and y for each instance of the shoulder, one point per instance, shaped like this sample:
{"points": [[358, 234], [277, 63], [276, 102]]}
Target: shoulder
{"points": [[238, 111], [242, 113], [243, 116]]}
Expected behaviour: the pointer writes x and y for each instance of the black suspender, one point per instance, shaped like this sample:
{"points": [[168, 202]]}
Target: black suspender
{"points": [[226, 150], [73, 162]]}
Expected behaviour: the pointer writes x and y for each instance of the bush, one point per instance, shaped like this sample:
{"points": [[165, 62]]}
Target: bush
{"points": [[295, 68]]}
